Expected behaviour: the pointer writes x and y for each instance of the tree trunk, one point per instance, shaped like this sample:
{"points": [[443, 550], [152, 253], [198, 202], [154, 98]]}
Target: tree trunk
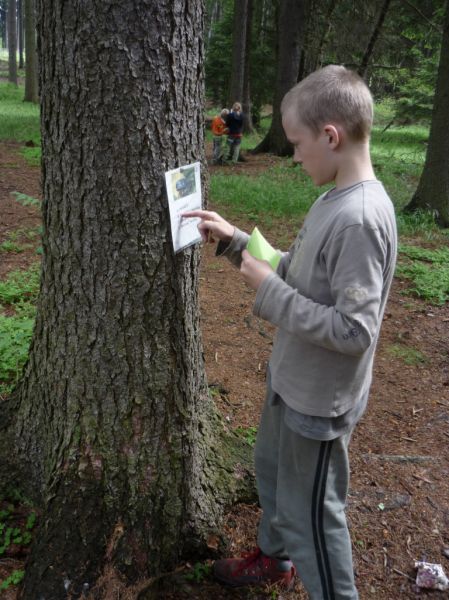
{"points": [[31, 87], [374, 36], [3, 28], [238, 51], [12, 42], [324, 36], [248, 126], [214, 17], [292, 21], [433, 188], [113, 427], [20, 32]]}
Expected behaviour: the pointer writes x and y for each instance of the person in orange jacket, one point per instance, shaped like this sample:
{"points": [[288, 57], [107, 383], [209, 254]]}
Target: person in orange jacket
{"points": [[219, 130]]}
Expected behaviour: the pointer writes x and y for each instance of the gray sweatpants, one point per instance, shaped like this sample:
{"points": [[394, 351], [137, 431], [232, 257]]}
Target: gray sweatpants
{"points": [[302, 485]]}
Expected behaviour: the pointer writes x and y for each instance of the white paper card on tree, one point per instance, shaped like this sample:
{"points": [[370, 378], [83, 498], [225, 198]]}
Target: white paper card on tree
{"points": [[184, 194]]}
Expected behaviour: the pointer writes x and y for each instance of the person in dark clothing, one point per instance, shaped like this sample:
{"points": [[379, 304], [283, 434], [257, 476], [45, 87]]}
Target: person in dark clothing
{"points": [[234, 123]]}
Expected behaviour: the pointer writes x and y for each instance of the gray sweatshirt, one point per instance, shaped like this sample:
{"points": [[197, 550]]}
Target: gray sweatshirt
{"points": [[327, 299]]}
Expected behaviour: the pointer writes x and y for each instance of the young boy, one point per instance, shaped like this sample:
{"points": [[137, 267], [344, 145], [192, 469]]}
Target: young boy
{"points": [[327, 299], [219, 129]]}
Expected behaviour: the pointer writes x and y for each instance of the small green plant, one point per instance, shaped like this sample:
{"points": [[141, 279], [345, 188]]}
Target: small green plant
{"points": [[26, 200], [13, 531], [249, 434], [31, 521], [21, 285], [17, 241], [15, 336], [214, 391], [428, 271], [410, 356], [14, 579], [199, 572], [8, 246]]}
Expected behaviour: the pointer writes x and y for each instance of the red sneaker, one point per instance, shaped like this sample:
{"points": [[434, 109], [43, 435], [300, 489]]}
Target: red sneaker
{"points": [[254, 568]]}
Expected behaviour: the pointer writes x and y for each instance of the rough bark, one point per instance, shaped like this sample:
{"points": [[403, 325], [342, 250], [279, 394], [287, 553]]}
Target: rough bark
{"points": [[432, 193], [114, 431], [291, 28], [31, 87], [373, 39], [12, 42]]}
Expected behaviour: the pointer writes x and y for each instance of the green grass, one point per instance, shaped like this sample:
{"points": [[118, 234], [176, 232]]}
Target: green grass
{"points": [[410, 356], [281, 191], [398, 157], [427, 270], [18, 120]]}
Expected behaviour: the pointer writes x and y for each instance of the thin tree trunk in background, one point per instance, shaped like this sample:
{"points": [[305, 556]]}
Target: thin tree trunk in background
{"points": [[374, 36], [31, 86], [292, 23], [239, 31], [112, 427], [264, 16], [215, 16], [248, 126], [313, 59], [324, 36], [3, 27], [20, 31], [12, 42], [432, 193]]}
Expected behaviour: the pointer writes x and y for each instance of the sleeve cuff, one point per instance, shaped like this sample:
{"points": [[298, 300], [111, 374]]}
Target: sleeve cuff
{"points": [[233, 249], [262, 293]]}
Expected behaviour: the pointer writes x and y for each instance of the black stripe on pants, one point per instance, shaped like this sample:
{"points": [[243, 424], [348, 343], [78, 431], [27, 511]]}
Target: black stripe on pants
{"points": [[319, 490]]}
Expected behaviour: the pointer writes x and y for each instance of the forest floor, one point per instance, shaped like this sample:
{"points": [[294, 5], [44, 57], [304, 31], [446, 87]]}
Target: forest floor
{"points": [[398, 505]]}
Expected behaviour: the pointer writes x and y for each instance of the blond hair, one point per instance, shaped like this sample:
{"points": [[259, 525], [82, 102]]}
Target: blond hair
{"points": [[237, 106], [332, 94]]}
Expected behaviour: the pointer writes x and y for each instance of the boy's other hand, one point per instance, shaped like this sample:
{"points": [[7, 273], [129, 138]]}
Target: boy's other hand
{"points": [[212, 227], [254, 271]]}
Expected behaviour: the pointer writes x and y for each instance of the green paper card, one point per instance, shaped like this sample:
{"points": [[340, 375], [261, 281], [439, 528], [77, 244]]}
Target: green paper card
{"points": [[263, 250]]}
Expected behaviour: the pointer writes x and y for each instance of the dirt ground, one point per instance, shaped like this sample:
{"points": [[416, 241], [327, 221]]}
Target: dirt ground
{"points": [[398, 506]]}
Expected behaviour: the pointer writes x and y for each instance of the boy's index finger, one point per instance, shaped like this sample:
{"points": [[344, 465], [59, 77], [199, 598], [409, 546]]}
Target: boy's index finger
{"points": [[195, 213]]}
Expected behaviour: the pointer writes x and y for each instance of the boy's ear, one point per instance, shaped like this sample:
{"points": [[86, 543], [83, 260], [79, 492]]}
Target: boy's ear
{"points": [[334, 135]]}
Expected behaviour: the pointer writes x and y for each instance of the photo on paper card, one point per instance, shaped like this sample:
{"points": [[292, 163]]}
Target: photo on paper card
{"points": [[183, 183], [183, 187]]}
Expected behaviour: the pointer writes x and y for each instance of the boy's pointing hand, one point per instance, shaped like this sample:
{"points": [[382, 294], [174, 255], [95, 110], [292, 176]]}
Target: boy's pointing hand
{"points": [[212, 227], [254, 271]]}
